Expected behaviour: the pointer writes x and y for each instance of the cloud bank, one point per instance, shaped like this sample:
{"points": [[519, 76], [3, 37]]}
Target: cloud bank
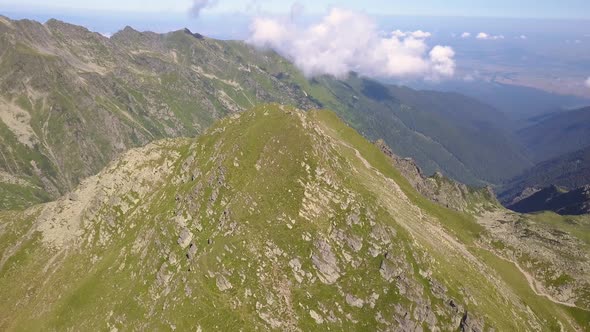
{"points": [[465, 35], [345, 41], [587, 83], [485, 36], [418, 34], [198, 6]]}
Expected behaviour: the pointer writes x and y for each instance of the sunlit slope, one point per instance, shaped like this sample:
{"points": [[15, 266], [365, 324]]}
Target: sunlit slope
{"points": [[273, 219]]}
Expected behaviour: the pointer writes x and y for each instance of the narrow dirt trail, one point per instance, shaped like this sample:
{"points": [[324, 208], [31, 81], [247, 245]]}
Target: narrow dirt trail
{"points": [[489, 221], [533, 283]]}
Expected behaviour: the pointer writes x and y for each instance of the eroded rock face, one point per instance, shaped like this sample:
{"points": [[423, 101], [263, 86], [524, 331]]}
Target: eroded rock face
{"points": [[469, 323], [555, 261], [222, 283], [354, 301], [192, 250], [354, 242], [325, 262], [316, 317], [185, 238], [440, 189]]}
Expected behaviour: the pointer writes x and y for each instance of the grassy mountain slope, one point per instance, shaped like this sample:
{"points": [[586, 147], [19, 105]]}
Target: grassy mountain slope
{"points": [[278, 219], [440, 189], [71, 100], [557, 134], [444, 132]]}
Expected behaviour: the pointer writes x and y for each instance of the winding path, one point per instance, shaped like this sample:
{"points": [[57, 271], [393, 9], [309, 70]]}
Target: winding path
{"points": [[533, 284]]}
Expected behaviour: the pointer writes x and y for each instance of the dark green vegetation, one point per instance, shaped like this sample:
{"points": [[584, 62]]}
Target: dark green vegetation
{"points": [[561, 180], [558, 182], [279, 219], [570, 171], [522, 104], [556, 199], [557, 134]]}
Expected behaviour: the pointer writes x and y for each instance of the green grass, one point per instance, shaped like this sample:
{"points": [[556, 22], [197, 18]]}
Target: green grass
{"points": [[541, 306], [252, 245], [462, 225], [579, 226]]}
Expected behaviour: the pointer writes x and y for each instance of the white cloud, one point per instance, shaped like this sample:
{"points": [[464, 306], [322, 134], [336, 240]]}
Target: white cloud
{"points": [[523, 37], [587, 83], [421, 34], [198, 6], [485, 36], [418, 34], [399, 34], [442, 60], [482, 35], [465, 35], [345, 41]]}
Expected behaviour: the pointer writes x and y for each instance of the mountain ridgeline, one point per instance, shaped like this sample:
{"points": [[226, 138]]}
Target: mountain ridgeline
{"points": [[281, 219], [559, 184], [71, 100], [553, 198]]}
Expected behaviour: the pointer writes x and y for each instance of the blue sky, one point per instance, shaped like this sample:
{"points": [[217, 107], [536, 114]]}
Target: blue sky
{"points": [[496, 8]]}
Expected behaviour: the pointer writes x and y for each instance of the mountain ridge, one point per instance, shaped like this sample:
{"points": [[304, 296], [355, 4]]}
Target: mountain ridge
{"points": [[63, 85], [557, 134], [276, 218], [54, 74], [559, 200]]}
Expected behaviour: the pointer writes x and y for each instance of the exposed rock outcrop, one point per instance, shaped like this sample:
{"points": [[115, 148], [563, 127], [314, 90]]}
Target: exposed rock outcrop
{"points": [[438, 188], [325, 262]]}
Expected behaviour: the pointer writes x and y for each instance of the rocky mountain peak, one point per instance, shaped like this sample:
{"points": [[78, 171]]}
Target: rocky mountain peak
{"points": [[196, 35], [276, 218], [75, 31]]}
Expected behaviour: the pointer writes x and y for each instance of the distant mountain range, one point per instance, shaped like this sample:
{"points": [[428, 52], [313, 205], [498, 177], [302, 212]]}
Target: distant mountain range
{"points": [[553, 198], [557, 184], [559, 181], [569, 171], [519, 103], [556, 134]]}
